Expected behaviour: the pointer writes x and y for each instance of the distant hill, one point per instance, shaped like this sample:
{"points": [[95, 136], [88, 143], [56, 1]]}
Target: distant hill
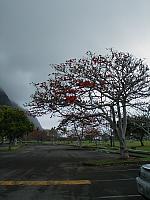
{"points": [[4, 100]]}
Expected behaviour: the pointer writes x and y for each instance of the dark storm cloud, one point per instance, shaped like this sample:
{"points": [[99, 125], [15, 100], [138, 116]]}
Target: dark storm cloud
{"points": [[35, 33]]}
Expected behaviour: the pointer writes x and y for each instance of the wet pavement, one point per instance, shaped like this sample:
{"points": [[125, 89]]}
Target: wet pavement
{"points": [[55, 172]]}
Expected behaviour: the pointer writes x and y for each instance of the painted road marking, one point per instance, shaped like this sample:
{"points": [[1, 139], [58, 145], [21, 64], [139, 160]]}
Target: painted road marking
{"points": [[57, 182], [119, 196], [44, 183], [109, 180], [123, 170]]}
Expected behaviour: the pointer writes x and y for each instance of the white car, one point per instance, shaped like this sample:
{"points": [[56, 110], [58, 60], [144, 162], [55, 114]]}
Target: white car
{"points": [[143, 181]]}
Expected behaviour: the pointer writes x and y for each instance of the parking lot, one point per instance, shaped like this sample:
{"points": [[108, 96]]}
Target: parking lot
{"points": [[43, 172]]}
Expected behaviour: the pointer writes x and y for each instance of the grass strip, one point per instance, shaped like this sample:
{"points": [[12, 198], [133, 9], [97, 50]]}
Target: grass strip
{"points": [[13, 148], [118, 161]]}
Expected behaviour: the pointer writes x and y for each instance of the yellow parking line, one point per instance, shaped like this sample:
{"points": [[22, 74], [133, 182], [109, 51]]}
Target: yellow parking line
{"points": [[44, 183]]}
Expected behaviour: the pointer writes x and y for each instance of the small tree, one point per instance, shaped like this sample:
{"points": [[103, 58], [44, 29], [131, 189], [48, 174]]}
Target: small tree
{"points": [[93, 134], [75, 128], [79, 124], [14, 123], [138, 127], [103, 86]]}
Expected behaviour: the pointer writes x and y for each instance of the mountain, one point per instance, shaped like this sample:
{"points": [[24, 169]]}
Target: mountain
{"points": [[34, 120], [4, 100]]}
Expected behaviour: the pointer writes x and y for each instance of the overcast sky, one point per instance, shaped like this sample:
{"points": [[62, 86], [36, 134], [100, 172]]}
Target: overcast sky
{"points": [[36, 33]]}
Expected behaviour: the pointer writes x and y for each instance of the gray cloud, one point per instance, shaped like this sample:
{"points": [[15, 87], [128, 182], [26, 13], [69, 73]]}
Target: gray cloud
{"points": [[35, 33]]}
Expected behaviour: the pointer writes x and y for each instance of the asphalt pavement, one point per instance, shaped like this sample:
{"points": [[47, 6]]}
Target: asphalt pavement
{"points": [[56, 172]]}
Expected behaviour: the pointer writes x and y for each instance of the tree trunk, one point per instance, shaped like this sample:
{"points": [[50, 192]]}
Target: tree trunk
{"points": [[112, 142], [122, 124], [80, 142], [141, 141], [10, 144], [96, 143], [2, 139], [124, 154], [11, 141]]}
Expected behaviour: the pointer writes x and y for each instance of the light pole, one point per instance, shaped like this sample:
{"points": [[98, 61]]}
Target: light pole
{"points": [[148, 117]]}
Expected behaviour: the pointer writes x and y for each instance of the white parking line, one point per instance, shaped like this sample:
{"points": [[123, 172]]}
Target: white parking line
{"points": [[121, 170], [108, 180], [124, 170], [119, 196]]}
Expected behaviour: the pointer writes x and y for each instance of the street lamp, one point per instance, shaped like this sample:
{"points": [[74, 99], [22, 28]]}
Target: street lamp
{"points": [[148, 117]]}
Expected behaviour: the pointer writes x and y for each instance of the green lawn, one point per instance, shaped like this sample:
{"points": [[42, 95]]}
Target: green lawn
{"points": [[102, 144], [13, 148]]}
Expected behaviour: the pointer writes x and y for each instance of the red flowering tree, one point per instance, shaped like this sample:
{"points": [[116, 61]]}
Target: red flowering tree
{"points": [[99, 86], [93, 134], [78, 126]]}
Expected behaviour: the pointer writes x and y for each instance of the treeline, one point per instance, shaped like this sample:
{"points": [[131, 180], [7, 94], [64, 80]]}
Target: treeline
{"points": [[14, 124]]}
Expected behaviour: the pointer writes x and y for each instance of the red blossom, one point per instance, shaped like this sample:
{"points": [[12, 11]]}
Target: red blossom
{"points": [[87, 84], [71, 99], [70, 90]]}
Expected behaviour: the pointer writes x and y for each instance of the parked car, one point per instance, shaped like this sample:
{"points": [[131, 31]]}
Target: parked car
{"points": [[143, 181]]}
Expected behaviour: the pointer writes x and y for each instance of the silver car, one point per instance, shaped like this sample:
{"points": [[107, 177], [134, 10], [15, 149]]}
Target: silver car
{"points": [[143, 181]]}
